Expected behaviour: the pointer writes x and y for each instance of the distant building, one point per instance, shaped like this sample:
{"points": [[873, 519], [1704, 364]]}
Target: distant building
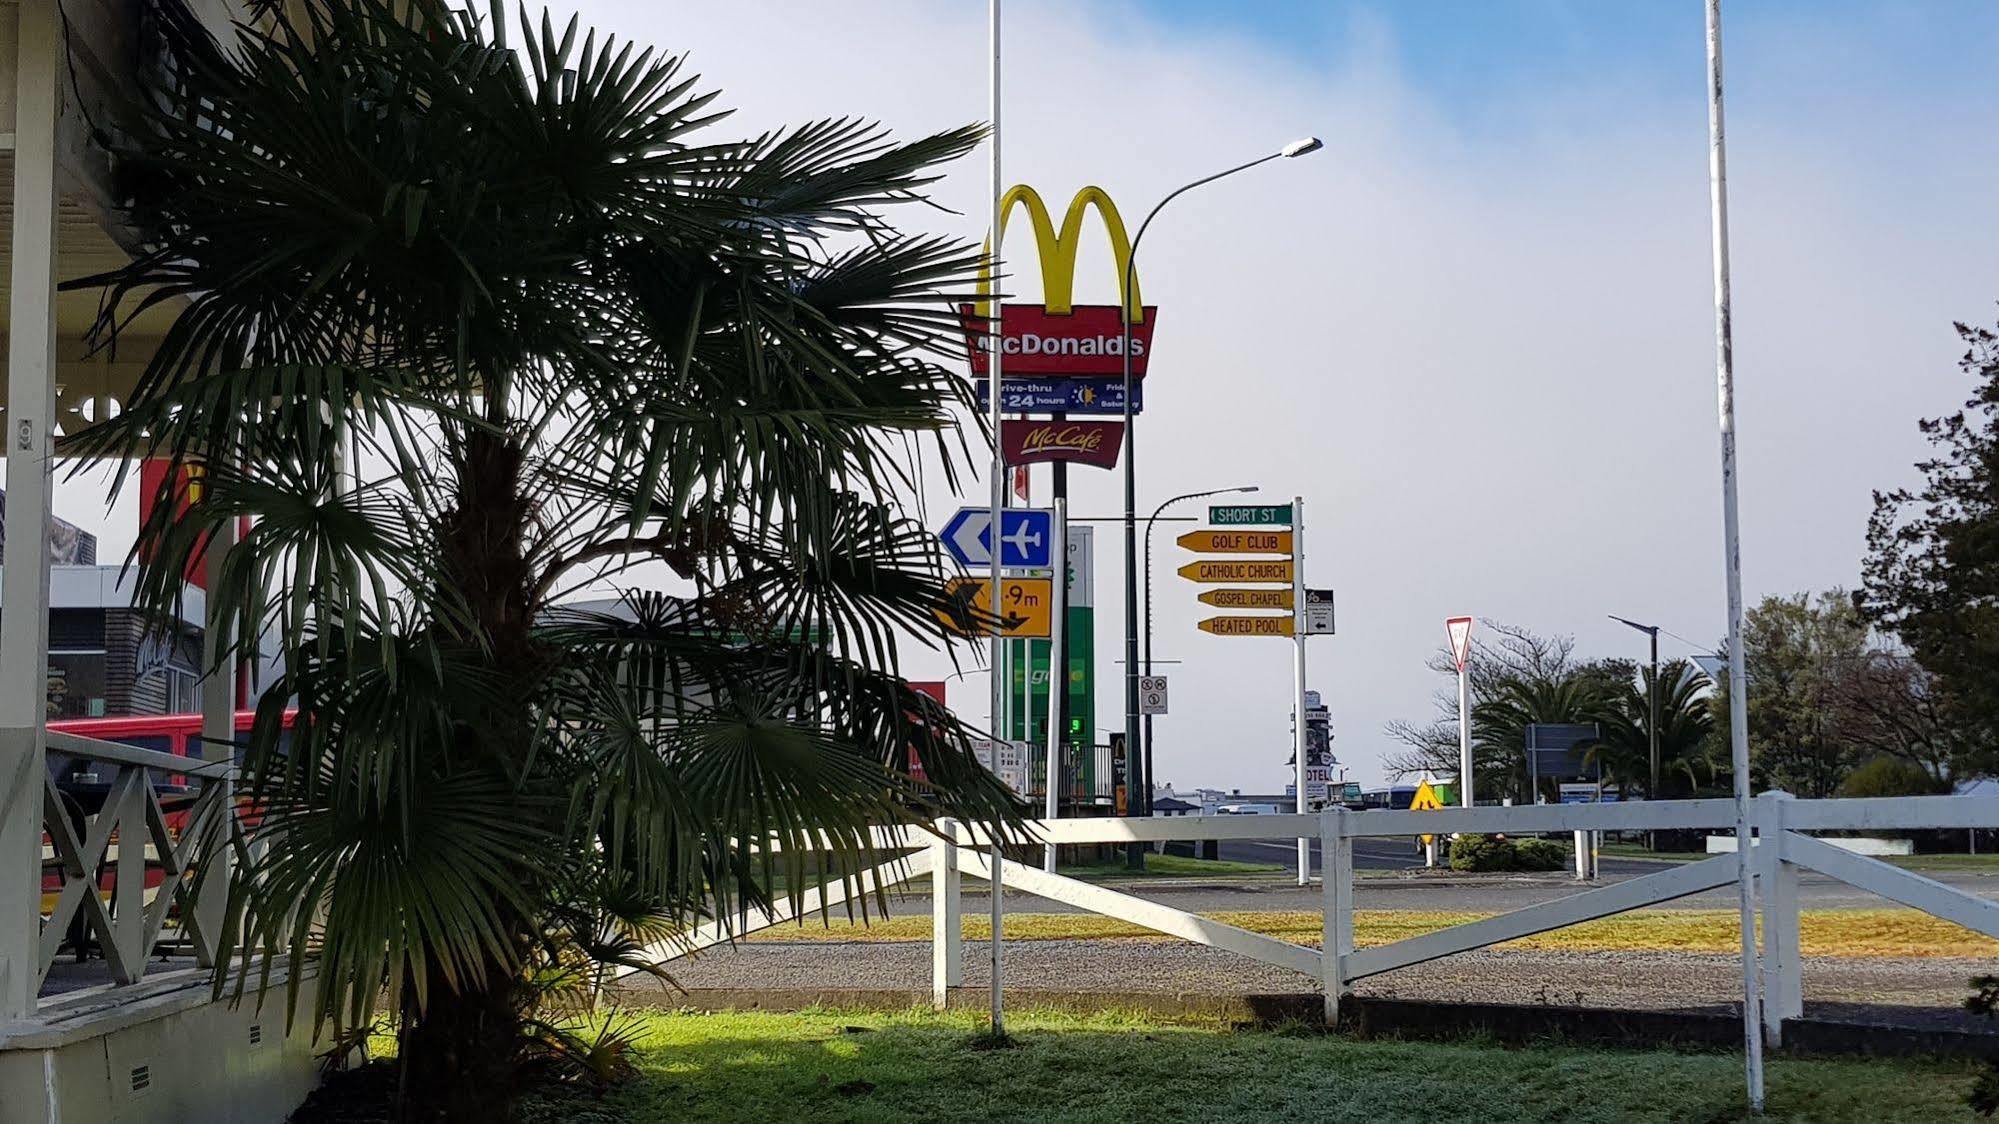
{"points": [[103, 658]]}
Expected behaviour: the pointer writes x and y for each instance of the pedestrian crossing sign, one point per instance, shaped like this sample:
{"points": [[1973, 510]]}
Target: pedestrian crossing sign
{"points": [[1425, 800]]}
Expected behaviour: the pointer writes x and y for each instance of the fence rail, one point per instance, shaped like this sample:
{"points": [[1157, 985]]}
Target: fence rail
{"points": [[1779, 851], [122, 860]]}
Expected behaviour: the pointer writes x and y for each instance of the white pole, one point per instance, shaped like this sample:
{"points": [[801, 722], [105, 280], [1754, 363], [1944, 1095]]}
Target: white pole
{"points": [[1464, 730], [28, 443], [1000, 685], [1738, 710], [1298, 695], [1058, 671]]}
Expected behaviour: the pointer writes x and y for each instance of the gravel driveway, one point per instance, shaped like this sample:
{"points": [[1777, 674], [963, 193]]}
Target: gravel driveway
{"points": [[1927, 991]]}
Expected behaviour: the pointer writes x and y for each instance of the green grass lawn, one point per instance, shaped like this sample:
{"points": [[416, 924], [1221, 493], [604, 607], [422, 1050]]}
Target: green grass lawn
{"points": [[917, 1066], [1172, 866]]}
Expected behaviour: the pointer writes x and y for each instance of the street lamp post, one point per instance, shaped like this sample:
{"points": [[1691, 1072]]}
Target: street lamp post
{"points": [[1134, 855], [1652, 722], [1150, 520]]}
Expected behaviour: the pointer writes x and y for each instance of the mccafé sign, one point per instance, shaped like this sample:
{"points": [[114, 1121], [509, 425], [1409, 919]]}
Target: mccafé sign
{"points": [[1094, 443], [1059, 337]]}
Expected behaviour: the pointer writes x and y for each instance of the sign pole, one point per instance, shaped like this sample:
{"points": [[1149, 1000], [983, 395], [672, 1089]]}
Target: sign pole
{"points": [[1000, 684], [1058, 673], [1298, 700], [1738, 713]]}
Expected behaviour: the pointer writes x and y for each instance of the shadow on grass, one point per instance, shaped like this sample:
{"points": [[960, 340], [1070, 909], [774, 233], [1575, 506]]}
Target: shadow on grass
{"points": [[918, 1066]]}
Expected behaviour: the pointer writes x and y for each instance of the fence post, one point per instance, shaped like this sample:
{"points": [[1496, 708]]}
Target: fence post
{"points": [[947, 966], [1336, 897], [1783, 965]]}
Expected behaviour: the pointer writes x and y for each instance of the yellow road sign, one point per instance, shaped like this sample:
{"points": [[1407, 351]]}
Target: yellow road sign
{"points": [[1213, 541], [1216, 571], [1425, 800], [1026, 606], [1248, 626], [1247, 598]]}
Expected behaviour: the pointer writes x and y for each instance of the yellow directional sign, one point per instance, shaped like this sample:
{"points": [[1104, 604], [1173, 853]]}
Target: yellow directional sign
{"points": [[1212, 541], [1216, 571], [1425, 800], [1026, 606], [1247, 598], [1248, 626]]}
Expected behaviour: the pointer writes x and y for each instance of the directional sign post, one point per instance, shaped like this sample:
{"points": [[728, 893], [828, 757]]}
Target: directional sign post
{"points": [[1272, 529], [1247, 626], [1027, 537], [1247, 598], [1216, 572], [1237, 542], [1249, 514]]}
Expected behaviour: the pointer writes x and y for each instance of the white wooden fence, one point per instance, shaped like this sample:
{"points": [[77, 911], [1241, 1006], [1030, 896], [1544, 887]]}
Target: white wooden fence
{"points": [[959, 850], [127, 839]]}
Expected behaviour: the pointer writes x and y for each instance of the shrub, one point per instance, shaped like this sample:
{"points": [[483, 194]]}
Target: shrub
{"points": [[1540, 854], [1489, 853], [1482, 853]]}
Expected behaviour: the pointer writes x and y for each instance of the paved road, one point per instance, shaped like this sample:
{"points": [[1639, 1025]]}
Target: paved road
{"points": [[1383, 854], [1482, 893]]}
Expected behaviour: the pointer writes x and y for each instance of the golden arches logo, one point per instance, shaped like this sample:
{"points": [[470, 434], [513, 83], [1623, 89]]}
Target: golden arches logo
{"points": [[1057, 249]]}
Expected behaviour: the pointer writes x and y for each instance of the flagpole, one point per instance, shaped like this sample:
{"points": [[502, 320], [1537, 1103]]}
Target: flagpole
{"points": [[1738, 711]]}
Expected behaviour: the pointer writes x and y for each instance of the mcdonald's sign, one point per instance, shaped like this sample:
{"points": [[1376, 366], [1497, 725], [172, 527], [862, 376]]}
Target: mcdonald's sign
{"points": [[1060, 337]]}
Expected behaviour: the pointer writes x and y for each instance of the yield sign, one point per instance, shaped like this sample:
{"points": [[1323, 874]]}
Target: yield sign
{"points": [[1459, 629], [1027, 537]]}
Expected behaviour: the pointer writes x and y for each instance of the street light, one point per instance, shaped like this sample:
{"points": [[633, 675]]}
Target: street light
{"points": [[1651, 724], [1297, 147], [1150, 520]]}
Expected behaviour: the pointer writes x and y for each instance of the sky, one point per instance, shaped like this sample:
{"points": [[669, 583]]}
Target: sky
{"points": [[1475, 333]]}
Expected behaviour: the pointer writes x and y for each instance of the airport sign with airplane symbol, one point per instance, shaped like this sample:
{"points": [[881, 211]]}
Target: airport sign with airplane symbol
{"points": [[1027, 537]]}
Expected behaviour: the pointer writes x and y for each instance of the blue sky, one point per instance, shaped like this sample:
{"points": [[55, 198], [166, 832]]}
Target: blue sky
{"points": [[1477, 57]]}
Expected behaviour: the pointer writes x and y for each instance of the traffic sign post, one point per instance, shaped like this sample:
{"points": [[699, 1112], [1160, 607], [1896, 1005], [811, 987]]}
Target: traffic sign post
{"points": [[1248, 529], [1026, 607], [1318, 612], [1298, 747], [1058, 680], [1026, 540], [1459, 630]]}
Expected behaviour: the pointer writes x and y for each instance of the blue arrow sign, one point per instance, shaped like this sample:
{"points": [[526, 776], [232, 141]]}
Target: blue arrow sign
{"points": [[1027, 537]]}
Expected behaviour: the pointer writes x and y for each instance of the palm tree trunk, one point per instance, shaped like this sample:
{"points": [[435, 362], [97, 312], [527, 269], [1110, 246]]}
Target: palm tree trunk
{"points": [[460, 1051], [459, 1055]]}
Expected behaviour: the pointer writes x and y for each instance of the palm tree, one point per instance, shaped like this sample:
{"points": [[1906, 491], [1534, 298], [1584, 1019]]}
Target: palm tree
{"points": [[472, 315], [1686, 733]]}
